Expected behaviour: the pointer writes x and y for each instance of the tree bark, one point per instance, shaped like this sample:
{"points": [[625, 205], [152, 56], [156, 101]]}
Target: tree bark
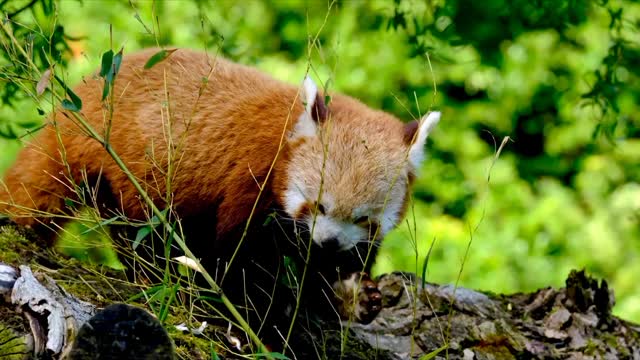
{"points": [[419, 320], [574, 322]]}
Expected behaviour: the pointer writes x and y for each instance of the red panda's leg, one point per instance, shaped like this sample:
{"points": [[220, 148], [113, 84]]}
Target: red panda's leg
{"points": [[34, 189]]}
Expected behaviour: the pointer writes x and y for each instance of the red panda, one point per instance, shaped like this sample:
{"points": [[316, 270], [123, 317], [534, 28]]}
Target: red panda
{"points": [[339, 171]]}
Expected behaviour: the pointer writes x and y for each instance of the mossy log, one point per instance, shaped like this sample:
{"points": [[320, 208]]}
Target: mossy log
{"points": [[419, 320]]}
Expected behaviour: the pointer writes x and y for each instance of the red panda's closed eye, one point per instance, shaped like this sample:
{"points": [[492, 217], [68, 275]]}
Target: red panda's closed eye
{"points": [[321, 209], [362, 220]]}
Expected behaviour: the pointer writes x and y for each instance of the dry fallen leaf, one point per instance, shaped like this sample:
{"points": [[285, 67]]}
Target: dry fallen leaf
{"points": [[44, 81]]}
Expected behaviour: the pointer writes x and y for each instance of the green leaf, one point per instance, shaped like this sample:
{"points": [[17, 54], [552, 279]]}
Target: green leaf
{"points": [[212, 352], [270, 218], [158, 57], [68, 105], [107, 60], [117, 61], [146, 230], [76, 103], [69, 203], [272, 355], [426, 263], [140, 235], [75, 99], [105, 90], [146, 293], [288, 278], [110, 67], [434, 353], [170, 295]]}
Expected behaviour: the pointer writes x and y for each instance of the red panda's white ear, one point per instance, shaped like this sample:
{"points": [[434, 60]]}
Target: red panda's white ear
{"points": [[419, 137], [315, 110], [309, 94]]}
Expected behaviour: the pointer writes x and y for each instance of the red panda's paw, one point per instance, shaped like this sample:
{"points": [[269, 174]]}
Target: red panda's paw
{"points": [[358, 298]]}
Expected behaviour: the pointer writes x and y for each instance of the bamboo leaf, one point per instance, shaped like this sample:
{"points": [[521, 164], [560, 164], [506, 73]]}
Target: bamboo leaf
{"points": [[107, 60], [158, 57], [75, 99], [105, 90], [68, 105], [110, 67], [117, 61]]}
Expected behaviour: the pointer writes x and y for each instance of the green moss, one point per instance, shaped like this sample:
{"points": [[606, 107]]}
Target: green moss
{"points": [[97, 284], [590, 348], [16, 248], [12, 345], [189, 346], [611, 342]]}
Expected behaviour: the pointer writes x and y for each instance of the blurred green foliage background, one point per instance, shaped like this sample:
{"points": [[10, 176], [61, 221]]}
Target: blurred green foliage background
{"points": [[560, 78]]}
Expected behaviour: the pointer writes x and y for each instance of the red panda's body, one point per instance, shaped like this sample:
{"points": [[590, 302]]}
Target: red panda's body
{"points": [[212, 159], [207, 132]]}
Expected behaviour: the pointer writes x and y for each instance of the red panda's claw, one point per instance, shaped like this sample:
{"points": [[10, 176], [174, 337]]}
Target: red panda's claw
{"points": [[370, 301], [358, 298]]}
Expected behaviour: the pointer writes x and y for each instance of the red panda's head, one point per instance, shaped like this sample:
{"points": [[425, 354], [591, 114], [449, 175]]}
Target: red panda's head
{"points": [[350, 169]]}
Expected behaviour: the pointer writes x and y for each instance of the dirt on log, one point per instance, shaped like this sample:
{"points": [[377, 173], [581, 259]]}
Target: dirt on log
{"points": [[419, 320]]}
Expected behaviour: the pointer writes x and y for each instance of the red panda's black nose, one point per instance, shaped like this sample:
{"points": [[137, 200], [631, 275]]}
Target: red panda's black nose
{"points": [[331, 244]]}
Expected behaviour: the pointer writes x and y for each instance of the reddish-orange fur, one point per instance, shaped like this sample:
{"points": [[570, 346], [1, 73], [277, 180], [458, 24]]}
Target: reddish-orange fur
{"points": [[225, 139], [201, 134], [212, 165]]}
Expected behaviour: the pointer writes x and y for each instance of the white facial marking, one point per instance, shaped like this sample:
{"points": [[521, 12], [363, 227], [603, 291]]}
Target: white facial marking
{"points": [[391, 214], [416, 153], [326, 228], [293, 201], [362, 210]]}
